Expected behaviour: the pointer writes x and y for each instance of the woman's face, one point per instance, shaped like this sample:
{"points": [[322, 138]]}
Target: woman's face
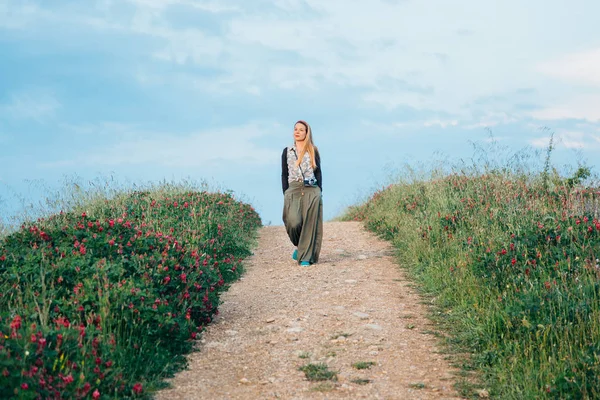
{"points": [[299, 132]]}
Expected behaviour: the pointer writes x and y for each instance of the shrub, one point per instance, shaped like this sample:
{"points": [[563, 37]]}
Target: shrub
{"points": [[106, 301], [513, 264], [318, 372]]}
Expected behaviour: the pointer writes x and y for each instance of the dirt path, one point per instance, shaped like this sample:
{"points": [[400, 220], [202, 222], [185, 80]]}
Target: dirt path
{"points": [[354, 306]]}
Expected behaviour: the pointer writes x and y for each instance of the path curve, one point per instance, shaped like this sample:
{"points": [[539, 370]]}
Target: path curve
{"points": [[354, 306]]}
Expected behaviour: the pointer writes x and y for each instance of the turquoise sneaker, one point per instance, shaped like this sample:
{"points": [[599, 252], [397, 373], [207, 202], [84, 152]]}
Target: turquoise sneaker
{"points": [[295, 255], [305, 264]]}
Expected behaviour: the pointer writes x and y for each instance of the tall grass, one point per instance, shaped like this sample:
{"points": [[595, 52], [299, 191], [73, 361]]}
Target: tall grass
{"points": [[104, 297], [508, 250], [4, 229]]}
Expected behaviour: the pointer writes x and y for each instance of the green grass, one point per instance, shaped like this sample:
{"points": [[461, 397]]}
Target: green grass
{"points": [[363, 364], [109, 291], [318, 372], [507, 253]]}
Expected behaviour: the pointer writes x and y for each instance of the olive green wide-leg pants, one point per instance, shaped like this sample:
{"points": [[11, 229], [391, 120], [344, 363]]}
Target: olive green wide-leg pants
{"points": [[303, 220]]}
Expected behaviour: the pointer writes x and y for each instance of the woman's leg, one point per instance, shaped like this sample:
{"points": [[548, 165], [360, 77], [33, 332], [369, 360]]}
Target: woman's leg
{"points": [[311, 234], [292, 215]]}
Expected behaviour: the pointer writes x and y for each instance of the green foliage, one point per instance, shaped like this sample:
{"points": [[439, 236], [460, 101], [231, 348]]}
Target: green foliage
{"points": [[363, 364], [107, 299], [318, 372], [513, 263], [547, 163], [579, 176], [5, 228]]}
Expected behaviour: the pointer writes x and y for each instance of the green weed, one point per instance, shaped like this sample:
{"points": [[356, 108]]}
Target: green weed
{"points": [[364, 364], [318, 372], [506, 252]]}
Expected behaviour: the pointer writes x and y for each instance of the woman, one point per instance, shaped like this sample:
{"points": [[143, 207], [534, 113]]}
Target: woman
{"points": [[302, 185]]}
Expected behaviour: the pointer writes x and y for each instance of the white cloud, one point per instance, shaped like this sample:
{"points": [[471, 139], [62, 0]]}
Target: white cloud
{"points": [[569, 140], [409, 125], [200, 149], [488, 120], [584, 107], [34, 104], [310, 45], [159, 5], [541, 142], [574, 140], [440, 123], [491, 119], [582, 67], [580, 96]]}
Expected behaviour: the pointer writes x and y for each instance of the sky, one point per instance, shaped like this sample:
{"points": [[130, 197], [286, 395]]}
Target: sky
{"points": [[205, 90]]}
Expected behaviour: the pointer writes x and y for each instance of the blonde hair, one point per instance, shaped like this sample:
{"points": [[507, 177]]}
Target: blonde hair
{"points": [[309, 146]]}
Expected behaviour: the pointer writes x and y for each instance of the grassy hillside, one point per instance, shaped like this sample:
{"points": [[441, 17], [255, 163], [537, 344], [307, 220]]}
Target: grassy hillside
{"points": [[104, 300], [511, 261]]}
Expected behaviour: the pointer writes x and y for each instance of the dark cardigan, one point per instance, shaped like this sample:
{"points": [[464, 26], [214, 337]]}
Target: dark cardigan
{"points": [[285, 173]]}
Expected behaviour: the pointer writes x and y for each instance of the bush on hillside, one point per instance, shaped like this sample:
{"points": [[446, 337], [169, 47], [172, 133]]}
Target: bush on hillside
{"points": [[104, 302], [515, 267]]}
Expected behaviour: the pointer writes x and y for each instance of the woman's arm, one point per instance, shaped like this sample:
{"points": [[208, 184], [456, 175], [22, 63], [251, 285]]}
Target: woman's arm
{"points": [[318, 173], [284, 171]]}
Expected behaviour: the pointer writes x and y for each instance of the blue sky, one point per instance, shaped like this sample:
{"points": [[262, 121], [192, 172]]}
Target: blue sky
{"points": [[146, 90]]}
